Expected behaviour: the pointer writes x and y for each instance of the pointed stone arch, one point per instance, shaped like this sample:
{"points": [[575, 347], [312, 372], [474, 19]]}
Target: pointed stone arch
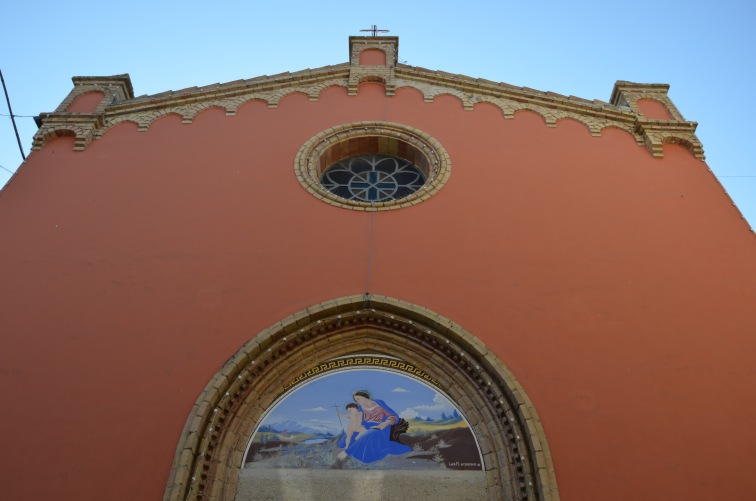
{"points": [[209, 456]]}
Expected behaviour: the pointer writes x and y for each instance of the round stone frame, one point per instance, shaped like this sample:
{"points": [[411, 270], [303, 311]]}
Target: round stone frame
{"points": [[382, 138], [210, 452]]}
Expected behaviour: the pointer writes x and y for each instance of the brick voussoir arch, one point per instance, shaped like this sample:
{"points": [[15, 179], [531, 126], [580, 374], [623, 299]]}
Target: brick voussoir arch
{"points": [[210, 452], [82, 135], [688, 144]]}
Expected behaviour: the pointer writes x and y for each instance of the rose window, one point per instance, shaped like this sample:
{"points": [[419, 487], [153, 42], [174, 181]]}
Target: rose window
{"points": [[372, 178]]}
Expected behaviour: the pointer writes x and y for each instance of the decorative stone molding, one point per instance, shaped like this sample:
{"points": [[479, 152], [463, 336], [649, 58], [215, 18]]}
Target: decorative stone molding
{"points": [[210, 452], [84, 126], [116, 88], [384, 74], [656, 133], [120, 105], [629, 93]]}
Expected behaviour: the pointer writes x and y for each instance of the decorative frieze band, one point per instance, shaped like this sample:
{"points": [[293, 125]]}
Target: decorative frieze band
{"points": [[118, 105]]}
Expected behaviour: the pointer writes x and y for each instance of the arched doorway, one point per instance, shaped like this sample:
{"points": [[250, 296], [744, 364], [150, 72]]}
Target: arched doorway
{"points": [[516, 462]]}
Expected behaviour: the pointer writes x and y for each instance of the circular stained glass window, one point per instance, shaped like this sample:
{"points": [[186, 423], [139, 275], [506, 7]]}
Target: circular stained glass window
{"points": [[372, 166], [372, 178]]}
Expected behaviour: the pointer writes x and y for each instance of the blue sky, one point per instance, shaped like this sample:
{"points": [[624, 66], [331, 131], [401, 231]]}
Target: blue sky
{"points": [[705, 50]]}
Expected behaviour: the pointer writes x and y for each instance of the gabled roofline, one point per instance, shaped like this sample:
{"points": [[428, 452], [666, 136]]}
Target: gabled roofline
{"points": [[120, 105]]}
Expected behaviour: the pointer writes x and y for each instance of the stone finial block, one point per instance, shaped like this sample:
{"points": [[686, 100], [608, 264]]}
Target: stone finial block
{"points": [[383, 74], [83, 126], [656, 133], [629, 93], [389, 45]]}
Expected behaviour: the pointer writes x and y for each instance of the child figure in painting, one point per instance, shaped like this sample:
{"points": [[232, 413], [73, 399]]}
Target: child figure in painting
{"points": [[374, 442], [355, 422]]}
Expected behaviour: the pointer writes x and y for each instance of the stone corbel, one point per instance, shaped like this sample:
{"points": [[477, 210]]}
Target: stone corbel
{"points": [[657, 133], [83, 127]]}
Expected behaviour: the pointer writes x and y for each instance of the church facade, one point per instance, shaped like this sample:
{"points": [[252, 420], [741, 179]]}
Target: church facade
{"points": [[374, 281]]}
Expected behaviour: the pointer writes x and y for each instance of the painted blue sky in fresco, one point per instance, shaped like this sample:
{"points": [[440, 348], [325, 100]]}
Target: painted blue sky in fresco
{"points": [[312, 404]]}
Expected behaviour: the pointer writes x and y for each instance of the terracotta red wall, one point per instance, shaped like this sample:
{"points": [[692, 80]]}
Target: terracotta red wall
{"points": [[653, 109], [373, 57], [617, 287], [86, 103]]}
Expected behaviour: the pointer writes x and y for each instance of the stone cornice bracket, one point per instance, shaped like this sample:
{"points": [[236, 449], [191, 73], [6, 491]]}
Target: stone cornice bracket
{"points": [[364, 69], [82, 125], [656, 133]]}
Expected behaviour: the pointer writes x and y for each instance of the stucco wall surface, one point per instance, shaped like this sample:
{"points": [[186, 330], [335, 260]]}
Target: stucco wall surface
{"points": [[618, 288]]}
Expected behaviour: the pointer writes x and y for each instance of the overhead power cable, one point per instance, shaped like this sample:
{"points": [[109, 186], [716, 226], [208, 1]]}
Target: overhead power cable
{"points": [[10, 110]]}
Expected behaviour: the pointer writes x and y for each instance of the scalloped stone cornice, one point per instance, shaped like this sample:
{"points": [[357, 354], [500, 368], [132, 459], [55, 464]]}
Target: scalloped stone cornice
{"points": [[119, 106]]}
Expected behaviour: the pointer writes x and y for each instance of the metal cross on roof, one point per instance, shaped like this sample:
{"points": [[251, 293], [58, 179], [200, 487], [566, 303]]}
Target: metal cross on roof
{"points": [[374, 30]]}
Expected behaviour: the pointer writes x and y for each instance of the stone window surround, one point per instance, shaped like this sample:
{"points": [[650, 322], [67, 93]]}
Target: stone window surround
{"points": [[383, 138]]}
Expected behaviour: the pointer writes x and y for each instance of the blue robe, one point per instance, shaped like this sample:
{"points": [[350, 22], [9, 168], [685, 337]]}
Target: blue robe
{"points": [[374, 445]]}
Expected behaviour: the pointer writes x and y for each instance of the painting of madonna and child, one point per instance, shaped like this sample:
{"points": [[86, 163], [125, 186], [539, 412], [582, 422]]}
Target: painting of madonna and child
{"points": [[364, 419]]}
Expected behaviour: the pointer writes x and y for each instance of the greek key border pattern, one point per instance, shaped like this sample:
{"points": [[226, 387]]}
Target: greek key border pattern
{"points": [[366, 361]]}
